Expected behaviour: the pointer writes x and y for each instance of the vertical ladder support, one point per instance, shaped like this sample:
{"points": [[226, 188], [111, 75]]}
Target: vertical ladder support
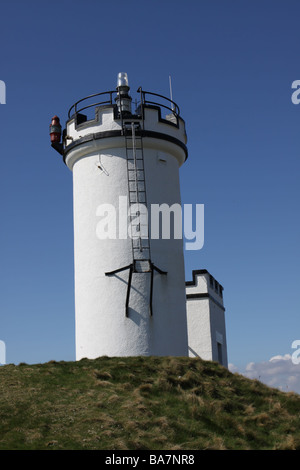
{"points": [[137, 191]]}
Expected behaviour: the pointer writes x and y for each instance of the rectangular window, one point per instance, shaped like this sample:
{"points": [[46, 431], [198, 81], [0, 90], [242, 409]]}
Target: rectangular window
{"points": [[220, 355]]}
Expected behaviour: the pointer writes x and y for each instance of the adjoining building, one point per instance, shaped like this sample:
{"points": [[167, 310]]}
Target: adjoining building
{"points": [[206, 318]]}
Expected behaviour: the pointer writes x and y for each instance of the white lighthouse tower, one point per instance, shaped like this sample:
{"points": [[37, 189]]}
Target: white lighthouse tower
{"points": [[130, 296]]}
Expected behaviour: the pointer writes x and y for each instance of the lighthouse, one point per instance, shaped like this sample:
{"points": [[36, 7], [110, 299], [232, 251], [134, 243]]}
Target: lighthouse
{"points": [[125, 156]]}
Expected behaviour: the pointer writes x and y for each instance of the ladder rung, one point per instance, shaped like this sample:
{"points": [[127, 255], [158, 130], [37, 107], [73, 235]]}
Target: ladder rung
{"points": [[136, 175], [140, 197], [141, 254], [132, 165], [137, 186], [142, 266], [137, 146]]}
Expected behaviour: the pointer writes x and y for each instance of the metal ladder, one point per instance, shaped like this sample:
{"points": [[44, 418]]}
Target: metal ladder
{"points": [[137, 192], [138, 215]]}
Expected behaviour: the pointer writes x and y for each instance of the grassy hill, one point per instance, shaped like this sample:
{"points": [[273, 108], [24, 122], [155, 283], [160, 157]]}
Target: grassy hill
{"points": [[162, 403]]}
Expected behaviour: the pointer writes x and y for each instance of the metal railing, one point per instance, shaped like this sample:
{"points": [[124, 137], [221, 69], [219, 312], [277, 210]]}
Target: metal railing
{"points": [[74, 109], [172, 106], [144, 101]]}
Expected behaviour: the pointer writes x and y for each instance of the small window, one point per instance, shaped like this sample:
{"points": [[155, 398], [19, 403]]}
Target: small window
{"points": [[211, 280], [162, 158], [220, 353]]}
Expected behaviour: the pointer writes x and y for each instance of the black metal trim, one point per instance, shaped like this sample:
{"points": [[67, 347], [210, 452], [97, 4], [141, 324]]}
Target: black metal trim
{"points": [[202, 295], [111, 273], [58, 147], [144, 101], [205, 295], [158, 270], [128, 290], [118, 133], [195, 273], [163, 120], [108, 101], [153, 267], [151, 292], [131, 271]]}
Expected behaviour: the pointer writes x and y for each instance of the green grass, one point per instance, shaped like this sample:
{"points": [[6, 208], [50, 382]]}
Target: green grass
{"points": [[154, 403]]}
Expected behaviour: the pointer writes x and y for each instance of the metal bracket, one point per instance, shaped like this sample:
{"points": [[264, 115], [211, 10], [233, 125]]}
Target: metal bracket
{"points": [[138, 266], [58, 147]]}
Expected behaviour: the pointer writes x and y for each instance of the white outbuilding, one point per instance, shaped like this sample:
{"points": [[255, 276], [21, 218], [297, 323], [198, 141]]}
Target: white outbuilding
{"points": [[206, 318]]}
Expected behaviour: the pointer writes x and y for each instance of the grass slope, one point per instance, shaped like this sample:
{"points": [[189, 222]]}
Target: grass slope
{"points": [[162, 403]]}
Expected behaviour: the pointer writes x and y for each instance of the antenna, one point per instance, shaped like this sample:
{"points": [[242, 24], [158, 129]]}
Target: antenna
{"points": [[171, 95]]}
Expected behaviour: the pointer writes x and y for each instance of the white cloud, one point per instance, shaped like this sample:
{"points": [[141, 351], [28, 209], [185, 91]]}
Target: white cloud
{"points": [[286, 357], [279, 372]]}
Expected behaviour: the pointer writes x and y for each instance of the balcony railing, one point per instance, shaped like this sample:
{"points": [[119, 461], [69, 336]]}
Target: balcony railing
{"points": [[74, 109], [164, 103]]}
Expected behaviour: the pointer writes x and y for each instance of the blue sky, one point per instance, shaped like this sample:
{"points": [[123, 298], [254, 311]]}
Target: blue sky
{"points": [[232, 65]]}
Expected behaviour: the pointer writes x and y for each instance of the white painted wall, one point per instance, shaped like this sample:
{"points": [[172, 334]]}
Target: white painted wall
{"points": [[199, 329]]}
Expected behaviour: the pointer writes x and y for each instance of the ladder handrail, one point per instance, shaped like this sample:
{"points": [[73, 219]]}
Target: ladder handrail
{"points": [[132, 136], [135, 168]]}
